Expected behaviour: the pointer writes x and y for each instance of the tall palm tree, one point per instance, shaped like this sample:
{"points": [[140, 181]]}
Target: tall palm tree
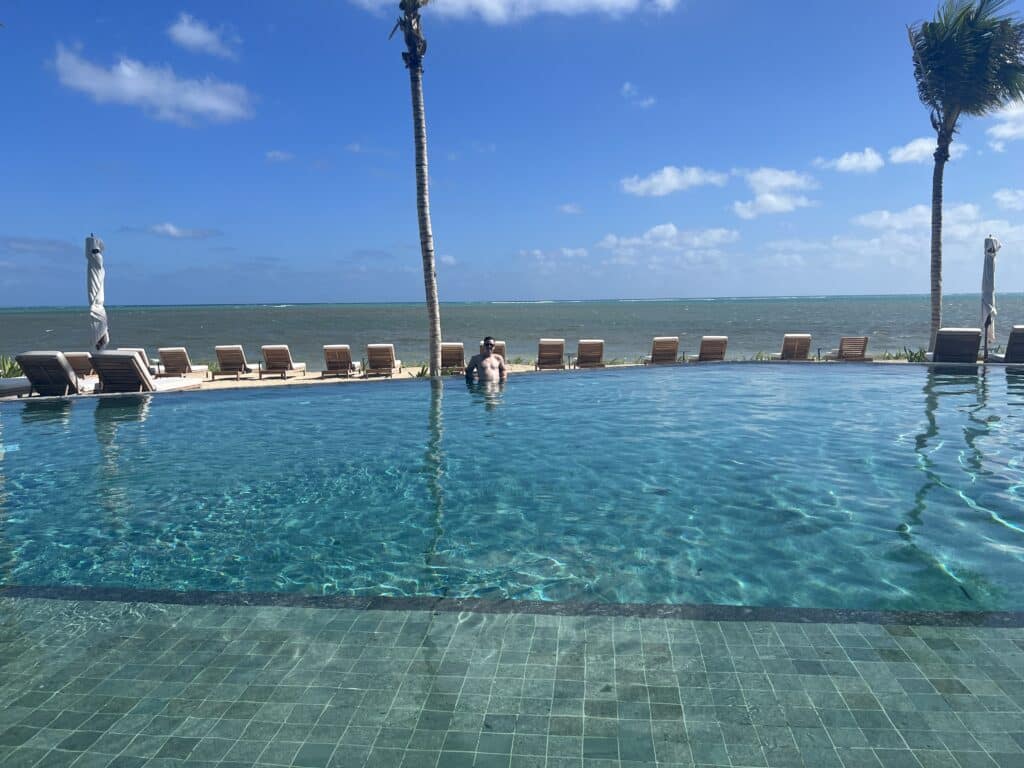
{"points": [[416, 48], [969, 60]]}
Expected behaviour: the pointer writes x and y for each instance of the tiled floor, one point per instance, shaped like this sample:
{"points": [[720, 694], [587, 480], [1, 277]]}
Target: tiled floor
{"points": [[132, 684]]}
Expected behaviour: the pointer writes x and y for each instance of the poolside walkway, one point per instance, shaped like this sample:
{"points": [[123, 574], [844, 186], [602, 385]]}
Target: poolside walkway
{"points": [[90, 683]]}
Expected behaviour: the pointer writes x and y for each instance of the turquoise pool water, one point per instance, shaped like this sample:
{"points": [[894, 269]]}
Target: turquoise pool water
{"points": [[878, 487]]}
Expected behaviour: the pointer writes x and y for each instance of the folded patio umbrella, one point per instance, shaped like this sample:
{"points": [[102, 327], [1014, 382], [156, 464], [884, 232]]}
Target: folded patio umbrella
{"points": [[988, 291], [94, 257]]}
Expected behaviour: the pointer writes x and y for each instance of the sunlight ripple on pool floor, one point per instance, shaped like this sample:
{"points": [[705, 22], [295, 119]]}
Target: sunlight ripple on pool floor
{"points": [[814, 486]]}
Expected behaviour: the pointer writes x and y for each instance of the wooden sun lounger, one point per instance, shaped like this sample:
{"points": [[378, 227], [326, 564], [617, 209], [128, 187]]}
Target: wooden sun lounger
{"points": [[852, 349], [50, 374], [231, 362], [712, 349], [80, 363], [277, 358], [589, 353], [176, 362], [664, 350], [381, 361], [121, 370], [1014, 348], [150, 365], [550, 355], [795, 346], [956, 345], [338, 361], [453, 357]]}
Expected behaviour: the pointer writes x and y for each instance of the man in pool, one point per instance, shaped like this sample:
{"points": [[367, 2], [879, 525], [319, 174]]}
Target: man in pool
{"points": [[488, 366]]}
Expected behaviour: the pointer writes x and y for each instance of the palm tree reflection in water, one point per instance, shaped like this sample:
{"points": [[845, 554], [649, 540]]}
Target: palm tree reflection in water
{"points": [[434, 466], [954, 385]]}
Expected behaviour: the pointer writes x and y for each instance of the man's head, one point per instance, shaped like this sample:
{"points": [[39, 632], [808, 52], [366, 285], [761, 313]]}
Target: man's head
{"points": [[489, 343]]}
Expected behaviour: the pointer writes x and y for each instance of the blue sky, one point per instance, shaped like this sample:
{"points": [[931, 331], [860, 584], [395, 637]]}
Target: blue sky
{"points": [[260, 152]]}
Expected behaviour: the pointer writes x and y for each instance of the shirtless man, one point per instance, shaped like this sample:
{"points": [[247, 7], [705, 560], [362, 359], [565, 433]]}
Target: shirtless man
{"points": [[487, 365]]}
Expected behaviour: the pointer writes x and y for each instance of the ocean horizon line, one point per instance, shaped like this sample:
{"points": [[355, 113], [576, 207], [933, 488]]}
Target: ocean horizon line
{"points": [[289, 304]]}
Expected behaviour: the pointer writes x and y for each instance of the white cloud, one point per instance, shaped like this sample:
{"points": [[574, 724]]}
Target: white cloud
{"points": [[570, 208], [921, 151], [632, 95], [574, 253], [279, 156], [193, 34], [355, 148], [1009, 128], [448, 260], [666, 246], [549, 261], [505, 11], [157, 90], [1010, 199], [671, 179], [867, 161], [774, 192], [179, 233]]}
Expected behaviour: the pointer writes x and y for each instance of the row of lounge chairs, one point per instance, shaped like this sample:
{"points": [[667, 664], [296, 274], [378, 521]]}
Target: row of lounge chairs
{"points": [[130, 370]]}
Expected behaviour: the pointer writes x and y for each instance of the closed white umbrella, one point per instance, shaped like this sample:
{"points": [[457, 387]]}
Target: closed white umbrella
{"points": [[988, 291], [94, 257]]}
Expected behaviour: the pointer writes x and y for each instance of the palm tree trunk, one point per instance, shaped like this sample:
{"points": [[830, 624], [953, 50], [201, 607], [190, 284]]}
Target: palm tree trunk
{"points": [[419, 120], [941, 156]]}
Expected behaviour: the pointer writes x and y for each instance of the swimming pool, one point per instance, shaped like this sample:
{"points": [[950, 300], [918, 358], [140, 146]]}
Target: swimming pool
{"points": [[871, 487]]}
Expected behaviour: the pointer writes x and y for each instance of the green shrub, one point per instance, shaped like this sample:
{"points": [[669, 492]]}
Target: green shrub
{"points": [[9, 367]]}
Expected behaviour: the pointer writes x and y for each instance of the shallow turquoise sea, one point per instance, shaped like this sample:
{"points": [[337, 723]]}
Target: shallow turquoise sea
{"points": [[752, 325]]}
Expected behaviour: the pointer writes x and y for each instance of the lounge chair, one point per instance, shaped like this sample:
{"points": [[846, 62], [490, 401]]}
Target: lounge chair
{"points": [[550, 355], [795, 346], [152, 366], [590, 353], [80, 363], [453, 357], [664, 349], [231, 362], [50, 374], [380, 360], [121, 370], [1014, 348], [277, 358], [499, 349], [956, 345], [712, 349], [338, 361], [851, 348], [176, 362]]}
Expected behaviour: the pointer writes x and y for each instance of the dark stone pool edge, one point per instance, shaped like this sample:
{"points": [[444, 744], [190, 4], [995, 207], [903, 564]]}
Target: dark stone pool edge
{"points": [[479, 605]]}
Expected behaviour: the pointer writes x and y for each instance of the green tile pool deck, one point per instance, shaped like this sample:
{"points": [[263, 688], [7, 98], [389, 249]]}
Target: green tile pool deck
{"points": [[109, 683]]}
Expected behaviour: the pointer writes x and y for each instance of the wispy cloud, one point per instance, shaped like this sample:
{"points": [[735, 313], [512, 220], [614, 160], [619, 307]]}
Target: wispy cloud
{"points": [[548, 261], [506, 11], [195, 35], [1009, 126], [166, 229], [279, 156], [157, 90], [775, 191], [665, 245], [867, 161], [448, 260], [1010, 199], [963, 224], [355, 148], [37, 246], [632, 95], [570, 208], [671, 179], [921, 151]]}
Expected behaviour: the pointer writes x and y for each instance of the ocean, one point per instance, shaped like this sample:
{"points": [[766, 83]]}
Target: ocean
{"points": [[753, 325]]}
